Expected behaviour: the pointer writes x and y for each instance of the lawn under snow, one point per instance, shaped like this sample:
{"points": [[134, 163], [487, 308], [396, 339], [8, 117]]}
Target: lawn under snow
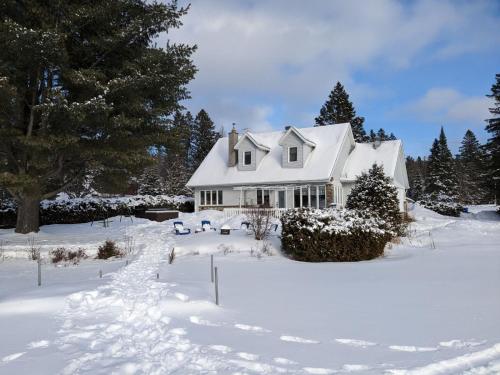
{"points": [[418, 310]]}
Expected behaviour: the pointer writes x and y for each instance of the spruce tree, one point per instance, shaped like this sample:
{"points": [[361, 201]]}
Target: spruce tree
{"points": [[339, 109], [441, 184], [416, 177], [492, 146], [204, 137], [82, 86], [176, 163], [150, 182], [471, 170], [374, 193]]}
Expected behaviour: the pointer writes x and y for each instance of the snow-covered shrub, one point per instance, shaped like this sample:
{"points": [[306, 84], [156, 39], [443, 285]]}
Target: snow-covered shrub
{"points": [[66, 210], [442, 204], [373, 192], [108, 249], [333, 235]]}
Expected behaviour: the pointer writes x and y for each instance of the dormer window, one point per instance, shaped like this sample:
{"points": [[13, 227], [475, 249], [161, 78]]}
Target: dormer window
{"points": [[248, 157], [292, 154]]}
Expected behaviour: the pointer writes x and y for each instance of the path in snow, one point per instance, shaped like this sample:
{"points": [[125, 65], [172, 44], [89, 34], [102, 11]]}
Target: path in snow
{"points": [[123, 327]]}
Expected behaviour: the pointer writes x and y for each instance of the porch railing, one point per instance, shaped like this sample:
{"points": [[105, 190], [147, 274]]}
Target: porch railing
{"points": [[273, 212]]}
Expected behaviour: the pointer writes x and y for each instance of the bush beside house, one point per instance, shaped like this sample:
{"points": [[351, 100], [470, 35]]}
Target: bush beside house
{"points": [[333, 235]]}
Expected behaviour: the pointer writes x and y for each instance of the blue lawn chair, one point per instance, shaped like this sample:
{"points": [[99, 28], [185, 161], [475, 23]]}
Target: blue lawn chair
{"points": [[206, 225], [179, 228]]}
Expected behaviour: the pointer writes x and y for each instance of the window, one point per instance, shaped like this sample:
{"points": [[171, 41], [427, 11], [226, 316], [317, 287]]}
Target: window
{"points": [[305, 197], [314, 196], [322, 197], [296, 197], [292, 154], [263, 197], [248, 157], [211, 197]]}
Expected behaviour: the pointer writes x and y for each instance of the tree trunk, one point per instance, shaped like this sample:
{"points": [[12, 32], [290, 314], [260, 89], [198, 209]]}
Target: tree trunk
{"points": [[28, 214]]}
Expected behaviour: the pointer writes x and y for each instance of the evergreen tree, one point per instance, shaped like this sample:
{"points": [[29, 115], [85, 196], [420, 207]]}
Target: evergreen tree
{"points": [[373, 192], [381, 135], [441, 184], [204, 137], [471, 170], [150, 181], [492, 146], [339, 109], [177, 163], [416, 177], [373, 136], [83, 86]]}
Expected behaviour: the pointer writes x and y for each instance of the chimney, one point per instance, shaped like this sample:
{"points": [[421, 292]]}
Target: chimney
{"points": [[232, 153]]}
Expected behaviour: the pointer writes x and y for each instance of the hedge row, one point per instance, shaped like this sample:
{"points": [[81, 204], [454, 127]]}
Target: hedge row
{"points": [[83, 210], [333, 235]]}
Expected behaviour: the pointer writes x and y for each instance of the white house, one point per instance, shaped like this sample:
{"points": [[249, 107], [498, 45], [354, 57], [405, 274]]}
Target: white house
{"points": [[306, 167]]}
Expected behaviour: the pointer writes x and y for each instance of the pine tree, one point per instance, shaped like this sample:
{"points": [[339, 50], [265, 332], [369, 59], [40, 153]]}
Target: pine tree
{"points": [[416, 177], [492, 146], [177, 163], [82, 86], [373, 192], [204, 137], [441, 184], [150, 181], [381, 135], [339, 109], [471, 170]]}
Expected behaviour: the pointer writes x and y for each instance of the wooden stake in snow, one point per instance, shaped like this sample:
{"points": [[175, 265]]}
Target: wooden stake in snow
{"points": [[212, 267], [157, 276], [39, 261], [100, 274], [216, 287], [126, 262]]}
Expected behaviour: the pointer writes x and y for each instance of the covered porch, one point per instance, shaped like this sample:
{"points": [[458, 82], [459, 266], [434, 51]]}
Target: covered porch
{"points": [[283, 196]]}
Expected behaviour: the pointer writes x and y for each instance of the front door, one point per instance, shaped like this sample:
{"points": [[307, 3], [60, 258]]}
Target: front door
{"points": [[281, 199]]}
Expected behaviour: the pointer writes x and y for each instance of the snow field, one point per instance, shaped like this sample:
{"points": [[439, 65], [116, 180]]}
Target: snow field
{"points": [[418, 310]]}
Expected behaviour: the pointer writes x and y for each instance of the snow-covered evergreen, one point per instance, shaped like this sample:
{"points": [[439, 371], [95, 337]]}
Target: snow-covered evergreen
{"points": [[471, 171], [441, 184], [374, 193]]}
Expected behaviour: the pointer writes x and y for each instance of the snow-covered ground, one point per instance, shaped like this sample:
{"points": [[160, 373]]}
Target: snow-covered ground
{"points": [[430, 306]]}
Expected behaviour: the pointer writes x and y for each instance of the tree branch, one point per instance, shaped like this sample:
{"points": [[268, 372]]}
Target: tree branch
{"points": [[63, 187]]}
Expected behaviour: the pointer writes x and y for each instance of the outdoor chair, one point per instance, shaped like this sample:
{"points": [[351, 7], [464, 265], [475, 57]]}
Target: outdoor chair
{"points": [[246, 224], [179, 228], [206, 225]]}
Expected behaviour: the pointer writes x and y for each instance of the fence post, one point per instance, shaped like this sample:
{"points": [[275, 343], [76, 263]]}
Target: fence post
{"points": [[100, 274], [39, 261], [212, 267], [216, 287]]}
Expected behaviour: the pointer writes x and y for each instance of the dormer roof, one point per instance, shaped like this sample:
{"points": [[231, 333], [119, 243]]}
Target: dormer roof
{"points": [[254, 140], [293, 129]]}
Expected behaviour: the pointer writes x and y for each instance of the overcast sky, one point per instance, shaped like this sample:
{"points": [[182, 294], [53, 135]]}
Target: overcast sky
{"points": [[409, 66]]}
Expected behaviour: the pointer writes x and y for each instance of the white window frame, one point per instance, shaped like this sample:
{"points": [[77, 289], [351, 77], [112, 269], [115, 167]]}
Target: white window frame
{"points": [[208, 198]]}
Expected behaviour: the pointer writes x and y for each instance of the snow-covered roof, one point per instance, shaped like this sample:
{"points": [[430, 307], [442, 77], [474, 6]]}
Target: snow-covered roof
{"points": [[298, 133], [365, 155], [318, 167], [252, 139]]}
